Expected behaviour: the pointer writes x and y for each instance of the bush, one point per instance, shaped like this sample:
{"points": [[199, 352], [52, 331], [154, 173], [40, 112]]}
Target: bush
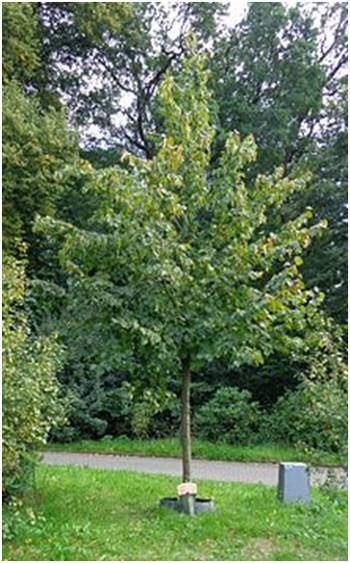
{"points": [[229, 416], [315, 414], [31, 404], [166, 423], [99, 404], [96, 410]]}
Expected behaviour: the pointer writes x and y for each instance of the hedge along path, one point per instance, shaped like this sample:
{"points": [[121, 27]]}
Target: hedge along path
{"points": [[247, 472]]}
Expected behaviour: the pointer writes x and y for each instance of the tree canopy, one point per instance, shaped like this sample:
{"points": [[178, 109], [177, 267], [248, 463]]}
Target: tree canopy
{"points": [[279, 74]]}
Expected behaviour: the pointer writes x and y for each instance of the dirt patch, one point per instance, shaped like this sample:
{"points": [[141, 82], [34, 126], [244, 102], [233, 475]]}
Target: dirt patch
{"points": [[259, 546]]}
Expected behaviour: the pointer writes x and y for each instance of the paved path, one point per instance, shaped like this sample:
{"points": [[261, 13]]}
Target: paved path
{"points": [[266, 473]]}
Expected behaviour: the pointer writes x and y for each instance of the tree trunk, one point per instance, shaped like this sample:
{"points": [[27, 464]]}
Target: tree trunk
{"points": [[186, 423]]}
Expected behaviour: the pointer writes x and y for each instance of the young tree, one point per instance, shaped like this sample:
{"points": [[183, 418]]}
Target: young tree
{"points": [[177, 258]]}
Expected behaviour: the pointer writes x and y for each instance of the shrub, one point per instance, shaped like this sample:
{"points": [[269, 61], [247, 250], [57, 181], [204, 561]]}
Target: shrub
{"points": [[31, 404], [98, 410], [98, 406], [229, 416], [166, 422], [315, 414], [145, 407]]}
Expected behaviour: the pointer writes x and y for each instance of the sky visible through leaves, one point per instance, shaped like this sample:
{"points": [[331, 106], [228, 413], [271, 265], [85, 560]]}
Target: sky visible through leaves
{"points": [[237, 10]]}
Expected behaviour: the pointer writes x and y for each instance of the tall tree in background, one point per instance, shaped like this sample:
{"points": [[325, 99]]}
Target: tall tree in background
{"points": [[108, 59], [36, 141], [280, 75], [36, 146], [178, 259], [274, 73]]}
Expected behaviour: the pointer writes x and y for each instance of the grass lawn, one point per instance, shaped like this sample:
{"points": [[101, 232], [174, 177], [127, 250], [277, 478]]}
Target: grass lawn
{"points": [[201, 449], [95, 515]]}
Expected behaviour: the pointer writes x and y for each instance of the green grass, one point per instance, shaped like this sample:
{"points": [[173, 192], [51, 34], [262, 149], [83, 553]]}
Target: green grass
{"points": [[201, 450], [86, 514]]}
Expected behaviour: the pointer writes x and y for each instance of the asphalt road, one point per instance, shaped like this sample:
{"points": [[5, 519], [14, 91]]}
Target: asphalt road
{"points": [[266, 473]]}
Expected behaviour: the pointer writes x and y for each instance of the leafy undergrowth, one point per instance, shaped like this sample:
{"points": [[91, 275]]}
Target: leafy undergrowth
{"points": [[201, 450], [85, 514]]}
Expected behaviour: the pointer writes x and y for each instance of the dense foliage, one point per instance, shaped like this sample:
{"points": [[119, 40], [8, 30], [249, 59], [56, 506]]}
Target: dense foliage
{"points": [[281, 75], [315, 414], [31, 404], [36, 145], [20, 56], [230, 416]]}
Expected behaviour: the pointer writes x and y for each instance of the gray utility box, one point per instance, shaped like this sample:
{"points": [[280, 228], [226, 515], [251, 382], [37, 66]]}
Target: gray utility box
{"points": [[294, 483]]}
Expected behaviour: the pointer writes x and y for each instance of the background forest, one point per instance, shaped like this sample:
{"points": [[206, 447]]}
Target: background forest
{"points": [[80, 85]]}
